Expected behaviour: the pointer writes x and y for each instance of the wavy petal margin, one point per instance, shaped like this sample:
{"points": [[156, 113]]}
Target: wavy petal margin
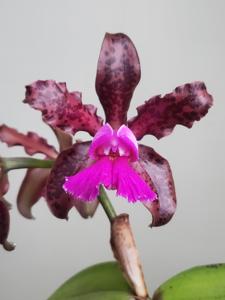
{"points": [[118, 73], [61, 108], [31, 141], [159, 115], [159, 171], [68, 163], [31, 189]]}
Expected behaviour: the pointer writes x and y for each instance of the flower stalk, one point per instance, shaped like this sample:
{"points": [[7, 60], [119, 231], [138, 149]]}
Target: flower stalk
{"points": [[106, 204], [24, 162]]}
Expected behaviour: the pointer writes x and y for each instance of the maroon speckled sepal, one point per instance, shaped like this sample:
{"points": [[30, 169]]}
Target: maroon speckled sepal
{"points": [[118, 73], [159, 115], [160, 173], [61, 108], [68, 163], [31, 141]]}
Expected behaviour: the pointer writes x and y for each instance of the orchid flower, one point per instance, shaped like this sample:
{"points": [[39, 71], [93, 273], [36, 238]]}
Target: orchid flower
{"points": [[113, 158]]}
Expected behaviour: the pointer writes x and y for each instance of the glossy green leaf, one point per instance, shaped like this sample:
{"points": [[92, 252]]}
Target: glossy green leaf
{"points": [[199, 283], [101, 281], [106, 295]]}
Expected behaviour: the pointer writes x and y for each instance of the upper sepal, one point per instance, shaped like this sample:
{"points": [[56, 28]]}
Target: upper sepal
{"points": [[118, 73], [159, 115], [68, 163], [161, 180], [61, 108]]}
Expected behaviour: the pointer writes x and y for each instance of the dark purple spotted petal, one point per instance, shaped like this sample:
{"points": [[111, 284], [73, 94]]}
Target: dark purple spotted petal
{"points": [[68, 163], [31, 141], [159, 115], [62, 109], [31, 190], [4, 226], [160, 173], [118, 74]]}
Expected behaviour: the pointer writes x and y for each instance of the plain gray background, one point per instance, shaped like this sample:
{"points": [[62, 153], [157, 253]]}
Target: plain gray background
{"points": [[177, 41]]}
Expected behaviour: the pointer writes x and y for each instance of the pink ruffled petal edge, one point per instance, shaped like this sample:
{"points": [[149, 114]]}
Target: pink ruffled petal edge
{"points": [[129, 184], [85, 184], [113, 174]]}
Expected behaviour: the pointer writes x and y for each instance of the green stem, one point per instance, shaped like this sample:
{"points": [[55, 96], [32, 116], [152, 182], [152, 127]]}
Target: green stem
{"points": [[106, 204], [24, 163]]}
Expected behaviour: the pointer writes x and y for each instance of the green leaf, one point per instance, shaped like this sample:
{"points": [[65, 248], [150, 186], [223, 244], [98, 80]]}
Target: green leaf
{"points": [[107, 295], [101, 281], [199, 283]]}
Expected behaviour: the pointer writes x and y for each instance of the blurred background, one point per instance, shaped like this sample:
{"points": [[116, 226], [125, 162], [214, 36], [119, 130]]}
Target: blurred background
{"points": [[178, 41]]}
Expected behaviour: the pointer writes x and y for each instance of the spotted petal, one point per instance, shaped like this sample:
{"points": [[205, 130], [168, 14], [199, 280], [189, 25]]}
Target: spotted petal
{"points": [[159, 115], [118, 73], [4, 183], [68, 162], [31, 141], [61, 108], [160, 178]]}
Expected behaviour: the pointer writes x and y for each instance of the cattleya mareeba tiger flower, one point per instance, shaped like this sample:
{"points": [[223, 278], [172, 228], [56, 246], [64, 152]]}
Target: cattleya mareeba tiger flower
{"points": [[114, 157]]}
